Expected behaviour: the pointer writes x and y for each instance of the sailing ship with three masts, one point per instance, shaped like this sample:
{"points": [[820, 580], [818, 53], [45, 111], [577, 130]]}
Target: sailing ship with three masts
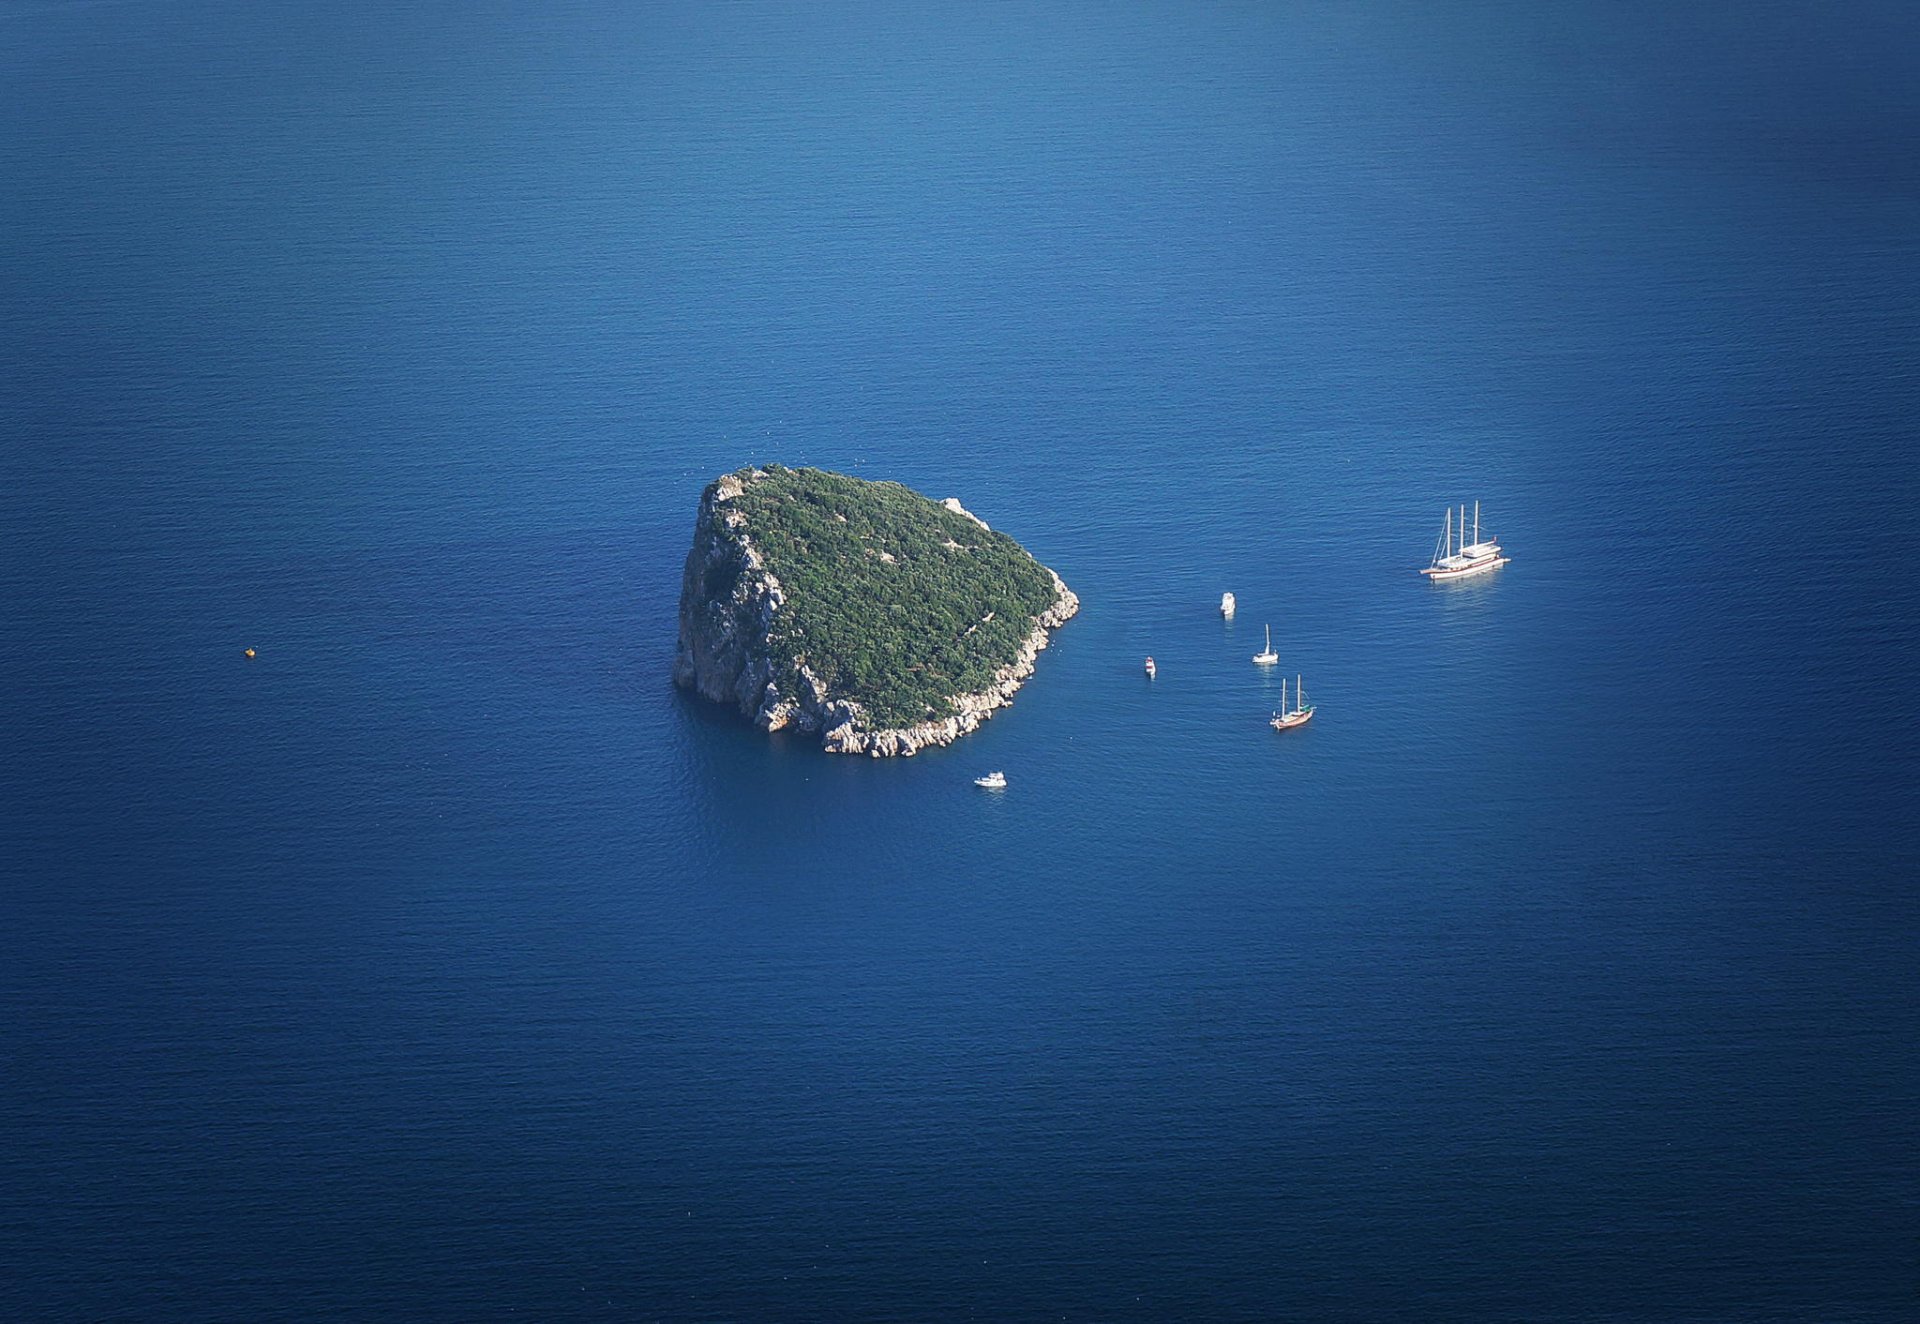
{"points": [[1456, 558]]}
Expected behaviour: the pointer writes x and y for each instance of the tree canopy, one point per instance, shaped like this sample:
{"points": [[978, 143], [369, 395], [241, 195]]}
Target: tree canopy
{"points": [[893, 600]]}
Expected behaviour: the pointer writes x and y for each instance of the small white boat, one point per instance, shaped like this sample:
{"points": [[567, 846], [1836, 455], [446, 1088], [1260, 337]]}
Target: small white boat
{"points": [[1300, 714], [1266, 657], [993, 781], [1226, 605], [1456, 558], [1152, 670]]}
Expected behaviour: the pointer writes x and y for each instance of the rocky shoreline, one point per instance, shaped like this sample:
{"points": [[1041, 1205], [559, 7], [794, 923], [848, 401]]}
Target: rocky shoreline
{"points": [[728, 605]]}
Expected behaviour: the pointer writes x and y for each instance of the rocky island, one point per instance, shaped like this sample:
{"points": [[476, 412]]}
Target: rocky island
{"points": [[883, 620]]}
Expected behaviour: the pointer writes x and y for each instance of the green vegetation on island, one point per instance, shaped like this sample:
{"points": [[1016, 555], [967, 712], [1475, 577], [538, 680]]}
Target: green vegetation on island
{"points": [[894, 601]]}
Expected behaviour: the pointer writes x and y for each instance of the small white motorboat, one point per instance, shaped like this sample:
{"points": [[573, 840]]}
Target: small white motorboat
{"points": [[1152, 670], [1226, 605], [993, 781]]}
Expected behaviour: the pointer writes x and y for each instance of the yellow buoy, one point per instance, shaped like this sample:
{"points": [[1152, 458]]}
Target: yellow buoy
{"points": [[249, 652]]}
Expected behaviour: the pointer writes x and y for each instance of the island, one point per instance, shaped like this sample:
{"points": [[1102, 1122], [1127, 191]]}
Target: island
{"points": [[883, 620]]}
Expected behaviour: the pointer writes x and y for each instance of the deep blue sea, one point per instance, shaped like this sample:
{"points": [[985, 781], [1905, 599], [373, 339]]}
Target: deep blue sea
{"points": [[444, 963]]}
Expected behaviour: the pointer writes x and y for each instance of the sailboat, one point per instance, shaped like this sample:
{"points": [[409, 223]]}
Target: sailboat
{"points": [[1300, 714], [1468, 558], [1226, 605], [1266, 657]]}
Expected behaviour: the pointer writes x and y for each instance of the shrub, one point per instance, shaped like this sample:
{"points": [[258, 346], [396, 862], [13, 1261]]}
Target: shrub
{"points": [[893, 600]]}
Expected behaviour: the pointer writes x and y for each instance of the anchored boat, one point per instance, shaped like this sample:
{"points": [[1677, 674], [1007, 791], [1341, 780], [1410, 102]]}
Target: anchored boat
{"points": [[1266, 657], [1226, 605], [1300, 714], [993, 781], [1468, 558], [1151, 669]]}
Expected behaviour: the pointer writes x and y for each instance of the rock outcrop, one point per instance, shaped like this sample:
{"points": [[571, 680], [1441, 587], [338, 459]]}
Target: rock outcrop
{"points": [[730, 612]]}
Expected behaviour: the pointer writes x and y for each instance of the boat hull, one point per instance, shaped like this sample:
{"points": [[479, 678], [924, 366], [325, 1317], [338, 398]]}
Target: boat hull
{"points": [[1438, 575], [1291, 720]]}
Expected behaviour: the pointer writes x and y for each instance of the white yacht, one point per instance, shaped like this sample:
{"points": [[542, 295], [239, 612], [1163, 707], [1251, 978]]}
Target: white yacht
{"points": [[993, 781], [1226, 605], [1456, 558], [1266, 657], [1152, 670]]}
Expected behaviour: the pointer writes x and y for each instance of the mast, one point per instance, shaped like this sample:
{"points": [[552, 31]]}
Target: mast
{"points": [[1476, 524]]}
